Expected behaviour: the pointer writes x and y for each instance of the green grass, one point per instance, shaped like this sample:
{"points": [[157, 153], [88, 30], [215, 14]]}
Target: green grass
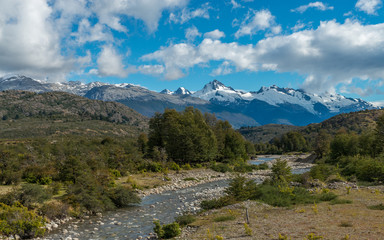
{"points": [[377, 207], [224, 218], [340, 201]]}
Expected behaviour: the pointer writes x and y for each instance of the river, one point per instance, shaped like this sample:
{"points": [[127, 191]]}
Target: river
{"points": [[137, 221]]}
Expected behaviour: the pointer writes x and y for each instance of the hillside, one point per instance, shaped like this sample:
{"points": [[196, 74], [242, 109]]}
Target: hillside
{"points": [[351, 122], [266, 133], [27, 114]]}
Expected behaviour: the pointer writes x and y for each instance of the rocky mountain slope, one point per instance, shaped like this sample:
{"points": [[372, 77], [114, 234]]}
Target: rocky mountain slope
{"points": [[268, 105]]}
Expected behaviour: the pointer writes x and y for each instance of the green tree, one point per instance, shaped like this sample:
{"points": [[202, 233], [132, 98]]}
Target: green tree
{"points": [[281, 171]]}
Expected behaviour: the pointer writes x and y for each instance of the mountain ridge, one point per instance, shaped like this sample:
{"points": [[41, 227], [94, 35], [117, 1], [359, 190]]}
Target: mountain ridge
{"points": [[268, 105]]}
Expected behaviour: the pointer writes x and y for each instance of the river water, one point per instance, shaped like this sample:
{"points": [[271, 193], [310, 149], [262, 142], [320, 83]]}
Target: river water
{"points": [[131, 223], [137, 221]]}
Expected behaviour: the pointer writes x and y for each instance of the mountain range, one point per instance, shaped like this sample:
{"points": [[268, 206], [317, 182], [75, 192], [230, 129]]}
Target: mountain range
{"points": [[241, 108]]}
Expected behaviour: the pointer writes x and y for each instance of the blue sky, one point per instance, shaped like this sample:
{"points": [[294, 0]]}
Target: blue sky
{"points": [[334, 45]]}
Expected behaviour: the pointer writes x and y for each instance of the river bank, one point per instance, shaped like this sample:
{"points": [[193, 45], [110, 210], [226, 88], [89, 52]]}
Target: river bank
{"points": [[182, 192]]}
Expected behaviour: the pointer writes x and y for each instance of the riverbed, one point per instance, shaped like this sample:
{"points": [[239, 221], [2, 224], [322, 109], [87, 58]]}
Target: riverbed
{"points": [[162, 204]]}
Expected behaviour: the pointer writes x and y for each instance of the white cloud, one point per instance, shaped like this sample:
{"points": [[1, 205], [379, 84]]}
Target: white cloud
{"points": [[149, 11], [191, 33], [88, 33], [188, 14], [215, 34], [369, 6], [110, 63], [152, 69], [332, 54], [29, 43], [235, 4], [224, 69], [318, 5], [256, 21]]}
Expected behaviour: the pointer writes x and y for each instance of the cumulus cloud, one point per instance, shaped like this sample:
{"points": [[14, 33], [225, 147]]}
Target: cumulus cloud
{"points": [[333, 53], [151, 69], [29, 43], [215, 34], [188, 14], [317, 5], [88, 33], [191, 33], [149, 11], [256, 21], [110, 63], [369, 6]]}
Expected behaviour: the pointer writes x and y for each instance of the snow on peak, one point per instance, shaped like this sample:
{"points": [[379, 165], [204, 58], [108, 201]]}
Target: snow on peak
{"points": [[216, 90], [182, 91], [166, 91]]}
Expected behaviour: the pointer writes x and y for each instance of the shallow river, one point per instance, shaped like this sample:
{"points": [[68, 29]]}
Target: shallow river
{"points": [[137, 221], [131, 223]]}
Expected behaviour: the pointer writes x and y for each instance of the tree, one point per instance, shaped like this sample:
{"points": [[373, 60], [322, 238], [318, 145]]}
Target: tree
{"points": [[281, 171]]}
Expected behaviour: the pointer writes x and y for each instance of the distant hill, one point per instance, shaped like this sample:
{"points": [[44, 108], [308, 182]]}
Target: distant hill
{"points": [[28, 114], [357, 122], [266, 133]]}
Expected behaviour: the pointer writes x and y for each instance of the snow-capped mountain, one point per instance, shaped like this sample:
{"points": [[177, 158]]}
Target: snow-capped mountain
{"points": [[275, 96], [179, 91], [241, 108]]}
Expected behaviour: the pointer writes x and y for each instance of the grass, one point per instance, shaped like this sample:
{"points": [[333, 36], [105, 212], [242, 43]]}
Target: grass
{"points": [[224, 218], [376, 207], [298, 222]]}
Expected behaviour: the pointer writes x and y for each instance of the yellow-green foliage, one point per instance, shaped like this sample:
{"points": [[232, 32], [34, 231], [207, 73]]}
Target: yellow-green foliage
{"points": [[300, 210], [346, 237], [282, 237], [218, 237], [248, 230], [315, 209], [18, 220], [312, 236], [286, 189], [348, 189]]}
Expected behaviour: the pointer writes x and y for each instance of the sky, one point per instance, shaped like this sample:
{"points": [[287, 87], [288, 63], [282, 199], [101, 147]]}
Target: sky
{"points": [[334, 46]]}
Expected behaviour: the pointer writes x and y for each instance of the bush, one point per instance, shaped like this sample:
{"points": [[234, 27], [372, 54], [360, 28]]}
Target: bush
{"points": [[123, 197], [242, 189], [167, 230], [174, 166], [18, 220], [27, 195], [221, 167], [322, 171], [186, 166], [55, 210], [185, 219], [281, 171]]}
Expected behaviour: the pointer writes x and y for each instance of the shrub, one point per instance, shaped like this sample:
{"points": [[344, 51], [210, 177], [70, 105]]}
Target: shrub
{"points": [[123, 197], [248, 230], [174, 166], [281, 171], [18, 220], [55, 210], [221, 167], [171, 230], [185, 219], [27, 195], [186, 166], [242, 189], [167, 230]]}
